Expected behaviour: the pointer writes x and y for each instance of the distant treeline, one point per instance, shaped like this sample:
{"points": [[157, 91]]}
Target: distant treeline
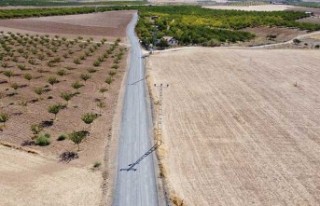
{"points": [[187, 24], [64, 3]]}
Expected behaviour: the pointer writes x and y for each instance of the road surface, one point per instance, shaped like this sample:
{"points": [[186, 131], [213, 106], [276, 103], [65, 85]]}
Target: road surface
{"points": [[136, 180]]}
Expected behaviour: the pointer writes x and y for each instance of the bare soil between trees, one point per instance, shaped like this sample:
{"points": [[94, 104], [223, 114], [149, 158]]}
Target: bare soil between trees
{"points": [[239, 126], [41, 179]]}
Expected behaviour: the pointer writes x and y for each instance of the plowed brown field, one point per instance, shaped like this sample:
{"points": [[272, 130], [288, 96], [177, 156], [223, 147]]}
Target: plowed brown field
{"points": [[241, 126], [109, 25]]}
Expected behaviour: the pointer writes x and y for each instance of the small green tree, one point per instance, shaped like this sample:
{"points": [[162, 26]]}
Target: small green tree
{"points": [[108, 80], [14, 86], [55, 109], [77, 85], [36, 128], [61, 72], [77, 137], [67, 96], [39, 91], [96, 63], [28, 77], [88, 118], [85, 77], [4, 118], [42, 139], [52, 81], [8, 74]]}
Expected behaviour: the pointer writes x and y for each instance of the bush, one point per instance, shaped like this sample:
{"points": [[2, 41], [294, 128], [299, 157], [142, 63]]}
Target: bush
{"points": [[92, 70], [108, 80], [53, 80], [85, 77], [61, 72], [77, 85], [96, 165], [77, 61], [62, 137], [55, 109], [77, 137], [3, 118], [42, 139], [36, 128], [96, 63], [88, 118]]}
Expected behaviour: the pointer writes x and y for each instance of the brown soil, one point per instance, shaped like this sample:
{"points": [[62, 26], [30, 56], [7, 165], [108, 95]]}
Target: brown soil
{"points": [[109, 25], [240, 126], [28, 179], [271, 35], [38, 182]]}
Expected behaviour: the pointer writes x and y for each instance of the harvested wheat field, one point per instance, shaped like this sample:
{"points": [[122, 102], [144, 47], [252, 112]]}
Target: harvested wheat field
{"points": [[110, 25], [58, 97], [240, 126]]}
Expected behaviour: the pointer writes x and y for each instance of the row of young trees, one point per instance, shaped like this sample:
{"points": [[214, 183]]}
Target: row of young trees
{"points": [[39, 63]]}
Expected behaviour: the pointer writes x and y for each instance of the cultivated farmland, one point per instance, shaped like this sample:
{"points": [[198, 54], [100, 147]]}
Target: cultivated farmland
{"points": [[58, 93], [111, 25], [239, 126]]}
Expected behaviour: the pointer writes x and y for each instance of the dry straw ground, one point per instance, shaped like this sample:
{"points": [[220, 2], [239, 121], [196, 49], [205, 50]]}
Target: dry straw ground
{"points": [[241, 126]]}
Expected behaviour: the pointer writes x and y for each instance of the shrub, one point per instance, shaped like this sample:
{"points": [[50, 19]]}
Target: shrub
{"points": [[52, 80], [36, 128], [115, 66], [8, 74], [77, 85], [103, 90], [82, 57], [14, 86], [97, 63], [67, 96], [28, 77], [77, 137], [85, 77], [62, 137], [42, 139], [96, 165], [39, 91], [55, 109], [3, 118], [76, 61], [92, 70], [88, 118], [61, 72], [108, 80], [22, 67]]}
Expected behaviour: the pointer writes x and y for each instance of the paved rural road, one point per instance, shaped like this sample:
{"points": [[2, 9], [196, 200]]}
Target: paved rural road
{"points": [[136, 180]]}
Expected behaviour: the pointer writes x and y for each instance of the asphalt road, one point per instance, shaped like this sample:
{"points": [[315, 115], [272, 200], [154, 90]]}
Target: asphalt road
{"points": [[136, 179]]}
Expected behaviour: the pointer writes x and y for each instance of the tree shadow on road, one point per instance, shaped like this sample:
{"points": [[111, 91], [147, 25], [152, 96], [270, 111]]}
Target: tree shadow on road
{"points": [[132, 165]]}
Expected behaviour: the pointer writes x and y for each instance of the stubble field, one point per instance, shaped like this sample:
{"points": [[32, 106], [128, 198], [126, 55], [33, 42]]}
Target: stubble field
{"points": [[240, 126]]}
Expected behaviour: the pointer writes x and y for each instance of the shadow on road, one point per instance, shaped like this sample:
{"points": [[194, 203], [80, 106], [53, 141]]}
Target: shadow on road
{"points": [[131, 166], [137, 81]]}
